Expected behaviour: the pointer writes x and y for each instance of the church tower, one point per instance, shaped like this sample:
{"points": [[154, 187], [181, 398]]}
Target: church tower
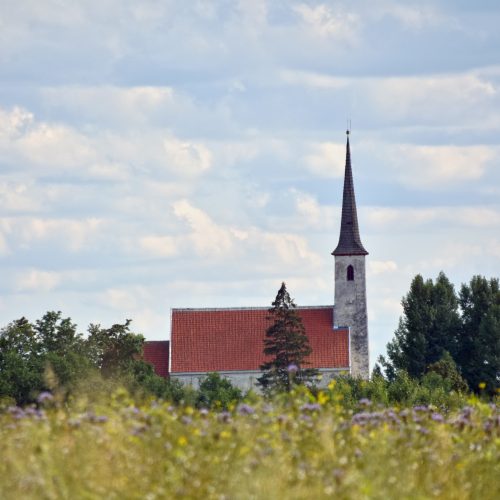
{"points": [[350, 278]]}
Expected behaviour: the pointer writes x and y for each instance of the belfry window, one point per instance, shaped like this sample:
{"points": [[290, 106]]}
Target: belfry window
{"points": [[350, 273]]}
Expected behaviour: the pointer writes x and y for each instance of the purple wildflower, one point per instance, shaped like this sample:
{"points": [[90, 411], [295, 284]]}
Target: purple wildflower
{"points": [[44, 397], [244, 409], [311, 407], [16, 412], [361, 418], [437, 417], [293, 368], [365, 402], [422, 408]]}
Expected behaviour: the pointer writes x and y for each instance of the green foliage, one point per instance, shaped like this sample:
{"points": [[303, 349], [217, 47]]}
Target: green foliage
{"points": [[447, 372], [428, 328], [299, 445], [478, 354], [217, 392], [51, 354], [438, 328], [114, 350], [287, 345]]}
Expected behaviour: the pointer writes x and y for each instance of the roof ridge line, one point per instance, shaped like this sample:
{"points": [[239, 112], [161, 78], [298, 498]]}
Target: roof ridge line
{"points": [[256, 308]]}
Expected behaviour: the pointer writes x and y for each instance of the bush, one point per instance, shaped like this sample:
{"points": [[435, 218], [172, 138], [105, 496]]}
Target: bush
{"points": [[217, 392]]}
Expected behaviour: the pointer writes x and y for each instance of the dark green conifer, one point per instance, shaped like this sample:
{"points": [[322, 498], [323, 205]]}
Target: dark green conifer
{"points": [[287, 346]]}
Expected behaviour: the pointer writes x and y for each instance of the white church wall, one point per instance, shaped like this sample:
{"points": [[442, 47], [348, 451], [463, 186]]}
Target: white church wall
{"points": [[246, 380]]}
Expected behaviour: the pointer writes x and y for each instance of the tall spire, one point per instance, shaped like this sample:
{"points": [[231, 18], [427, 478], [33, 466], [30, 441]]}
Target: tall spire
{"points": [[349, 241]]}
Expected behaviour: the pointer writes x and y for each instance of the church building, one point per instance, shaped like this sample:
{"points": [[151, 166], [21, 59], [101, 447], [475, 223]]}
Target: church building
{"points": [[231, 340]]}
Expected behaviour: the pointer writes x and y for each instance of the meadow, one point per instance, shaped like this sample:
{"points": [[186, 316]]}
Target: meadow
{"points": [[297, 446]]}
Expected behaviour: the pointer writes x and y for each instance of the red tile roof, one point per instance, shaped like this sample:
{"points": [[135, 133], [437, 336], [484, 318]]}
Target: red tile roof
{"points": [[206, 340], [156, 353]]}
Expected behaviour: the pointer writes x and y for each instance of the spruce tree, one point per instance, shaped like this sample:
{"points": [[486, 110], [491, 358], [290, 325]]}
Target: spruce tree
{"points": [[287, 344]]}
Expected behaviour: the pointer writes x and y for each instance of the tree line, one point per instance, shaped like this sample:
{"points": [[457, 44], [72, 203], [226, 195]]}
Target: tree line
{"points": [[439, 325], [444, 341]]}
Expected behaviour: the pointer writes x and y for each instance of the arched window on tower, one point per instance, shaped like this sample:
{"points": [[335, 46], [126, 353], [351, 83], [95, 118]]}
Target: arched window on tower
{"points": [[350, 273]]}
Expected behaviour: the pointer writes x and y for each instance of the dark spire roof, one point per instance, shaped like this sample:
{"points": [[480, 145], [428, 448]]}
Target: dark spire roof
{"points": [[349, 241]]}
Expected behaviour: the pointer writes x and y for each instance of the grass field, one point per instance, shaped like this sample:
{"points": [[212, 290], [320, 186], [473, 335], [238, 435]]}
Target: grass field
{"points": [[295, 447]]}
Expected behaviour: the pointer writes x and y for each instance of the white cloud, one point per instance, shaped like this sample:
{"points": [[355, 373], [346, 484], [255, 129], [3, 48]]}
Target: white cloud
{"points": [[128, 299], [433, 97], [439, 167], [208, 238], [381, 266], [4, 248], [330, 23], [415, 17], [308, 207], [56, 146], [14, 122], [120, 105], [18, 197], [159, 246], [407, 219], [74, 235], [35, 280], [187, 157], [289, 248], [314, 80], [326, 159]]}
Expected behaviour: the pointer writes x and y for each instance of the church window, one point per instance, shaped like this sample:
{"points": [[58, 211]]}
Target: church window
{"points": [[350, 273]]}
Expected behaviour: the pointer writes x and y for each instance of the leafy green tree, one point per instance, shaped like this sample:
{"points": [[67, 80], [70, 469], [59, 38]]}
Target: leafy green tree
{"points": [[114, 350], [29, 353], [447, 371], [287, 345], [217, 392], [478, 353]]}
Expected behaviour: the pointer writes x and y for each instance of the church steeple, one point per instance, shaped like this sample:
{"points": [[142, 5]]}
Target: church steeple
{"points": [[349, 241], [350, 279]]}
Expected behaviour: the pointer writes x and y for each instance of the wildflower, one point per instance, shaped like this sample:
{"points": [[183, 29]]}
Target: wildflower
{"points": [[310, 407], [322, 398], [16, 412], [332, 384], [44, 397], [360, 418], [437, 417], [293, 368], [422, 408], [482, 385], [244, 409], [365, 402]]}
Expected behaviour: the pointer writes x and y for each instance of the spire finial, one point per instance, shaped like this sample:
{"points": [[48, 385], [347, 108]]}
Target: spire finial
{"points": [[348, 131]]}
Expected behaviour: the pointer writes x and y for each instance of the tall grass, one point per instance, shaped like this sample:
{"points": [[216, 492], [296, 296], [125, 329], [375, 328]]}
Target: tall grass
{"points": [[298, 446]]}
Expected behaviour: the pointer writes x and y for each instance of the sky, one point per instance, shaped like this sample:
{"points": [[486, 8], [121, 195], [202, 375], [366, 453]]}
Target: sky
{"points": [[161, 153]]}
